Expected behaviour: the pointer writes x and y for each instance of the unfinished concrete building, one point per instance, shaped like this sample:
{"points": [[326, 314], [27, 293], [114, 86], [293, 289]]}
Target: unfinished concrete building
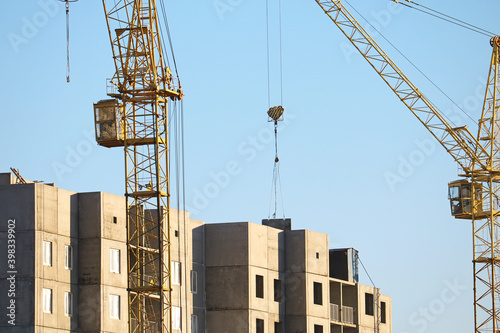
{"points": [[270, 278], [69, 272]]}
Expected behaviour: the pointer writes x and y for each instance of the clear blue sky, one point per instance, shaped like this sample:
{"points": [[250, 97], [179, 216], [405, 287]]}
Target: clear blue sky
{"points": [[345, 130]]}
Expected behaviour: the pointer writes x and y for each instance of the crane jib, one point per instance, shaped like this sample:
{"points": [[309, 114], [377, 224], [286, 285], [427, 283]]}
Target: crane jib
{"points": [[459, 143], [474, 198]]}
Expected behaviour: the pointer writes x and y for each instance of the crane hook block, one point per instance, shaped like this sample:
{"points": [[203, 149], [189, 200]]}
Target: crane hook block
{"points": [[276, 113]]}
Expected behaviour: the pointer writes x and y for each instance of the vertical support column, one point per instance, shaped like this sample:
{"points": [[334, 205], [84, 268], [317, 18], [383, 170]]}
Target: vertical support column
{"points": [[486, 263], [148, 217], [143, 83]]}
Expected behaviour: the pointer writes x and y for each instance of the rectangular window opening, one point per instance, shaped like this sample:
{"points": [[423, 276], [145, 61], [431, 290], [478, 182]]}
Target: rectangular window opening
{"points": [[278, 327], [259, 286], [369, 304], [382, 313], [47, 300], [115, 220], [47, 253], [194, 324], [260, 326], [176, 318], [194, 282], [318, 329], [68, 258], [68, 304], [318, 293], [114, 306], [277, 290], [176, 273], [114, 261]]}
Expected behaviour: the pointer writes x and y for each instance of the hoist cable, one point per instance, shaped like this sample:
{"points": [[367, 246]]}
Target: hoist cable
{"points": [[66, 2], [67, 43], [163, 45], [418, 69], [276, 168], [268, 57], [465, 24], [364, 268], [276, 171], [162, 4], [281, 58]]}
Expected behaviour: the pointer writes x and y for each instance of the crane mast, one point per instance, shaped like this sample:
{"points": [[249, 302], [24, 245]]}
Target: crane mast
{"points": [[474, 196], [135, 117]]}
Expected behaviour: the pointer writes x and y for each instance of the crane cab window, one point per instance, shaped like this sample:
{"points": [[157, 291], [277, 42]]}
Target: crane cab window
{"points": [[461, 195]]}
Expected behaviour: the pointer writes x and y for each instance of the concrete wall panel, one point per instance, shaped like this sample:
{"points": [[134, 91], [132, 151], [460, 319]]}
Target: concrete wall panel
{"points": [[89, 215], [262, 315], [7, 178], [106, 276], [227, 244], [257, 303], [312, 321], [90, 302], [24, 254], [227, 287], [110, 324], [23, 303], [296, 324], [295, 251], [48, 320], [64, 274], [89, 261], [295, 287], [273, 306], [198, 241], [46, 200], [316, 310], [45, 271], [17, 202], [67, 213], [257, 245], [199, 296], [227, 321], [317, 253], [275, 249], [113, 209]]}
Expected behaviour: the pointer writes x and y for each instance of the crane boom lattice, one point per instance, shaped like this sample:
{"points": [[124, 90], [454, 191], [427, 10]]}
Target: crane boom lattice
{"points": [[458, 141]]}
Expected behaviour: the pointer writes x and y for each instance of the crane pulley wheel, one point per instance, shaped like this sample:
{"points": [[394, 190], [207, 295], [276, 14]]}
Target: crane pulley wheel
{"points": [[495, 40]]}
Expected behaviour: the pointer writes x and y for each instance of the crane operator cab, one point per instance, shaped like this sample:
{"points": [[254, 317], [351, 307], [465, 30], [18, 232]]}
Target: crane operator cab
{"points": [[465, 199], [109, 129]]}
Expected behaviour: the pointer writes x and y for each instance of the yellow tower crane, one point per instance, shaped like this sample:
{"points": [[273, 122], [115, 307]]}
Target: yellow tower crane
{"points": [[475, 195], [135, 117]]}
